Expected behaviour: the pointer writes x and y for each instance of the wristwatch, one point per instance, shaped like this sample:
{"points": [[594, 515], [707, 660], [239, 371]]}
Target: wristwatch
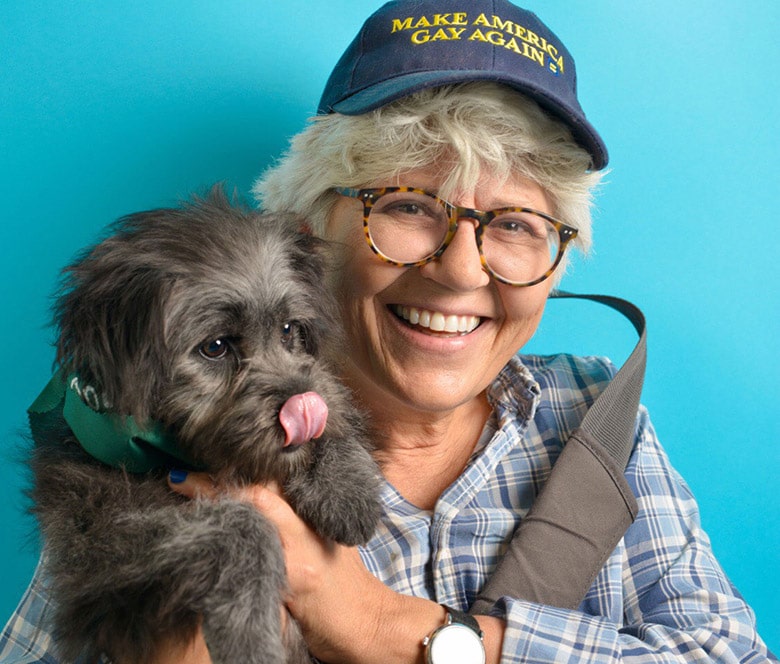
{"points": [[457, 641]]}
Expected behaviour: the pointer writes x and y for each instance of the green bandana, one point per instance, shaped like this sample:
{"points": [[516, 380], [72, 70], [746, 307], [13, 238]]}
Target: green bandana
{"points": [[115, 440]]}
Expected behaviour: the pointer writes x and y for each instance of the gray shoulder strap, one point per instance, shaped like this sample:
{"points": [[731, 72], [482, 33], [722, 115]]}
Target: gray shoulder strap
{"points": [[585, 506]]}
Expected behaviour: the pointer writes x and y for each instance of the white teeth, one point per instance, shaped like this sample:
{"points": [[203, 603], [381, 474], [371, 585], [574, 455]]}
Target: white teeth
{"points": [[436, 321], [451, 324]]}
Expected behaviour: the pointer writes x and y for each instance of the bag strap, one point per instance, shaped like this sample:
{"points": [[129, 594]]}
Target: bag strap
{"points": [[612, 418], [586, 505]]}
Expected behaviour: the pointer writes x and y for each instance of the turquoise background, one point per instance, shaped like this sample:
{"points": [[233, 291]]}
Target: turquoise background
{"points": [[110, 107]]}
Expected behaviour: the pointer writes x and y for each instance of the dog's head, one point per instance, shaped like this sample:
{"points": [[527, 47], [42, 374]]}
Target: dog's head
{"points": [[205, 318]]}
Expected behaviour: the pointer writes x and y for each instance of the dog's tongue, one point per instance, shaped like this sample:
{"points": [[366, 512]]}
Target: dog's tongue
{"points": [[303, 417]]}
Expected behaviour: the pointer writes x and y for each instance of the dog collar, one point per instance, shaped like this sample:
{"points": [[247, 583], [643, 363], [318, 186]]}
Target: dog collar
{"points": [[114, 439]]}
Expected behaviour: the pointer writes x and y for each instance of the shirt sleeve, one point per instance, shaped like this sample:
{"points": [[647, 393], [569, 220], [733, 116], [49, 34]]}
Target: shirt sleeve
{"points": [[26, 639], [677, 604]]}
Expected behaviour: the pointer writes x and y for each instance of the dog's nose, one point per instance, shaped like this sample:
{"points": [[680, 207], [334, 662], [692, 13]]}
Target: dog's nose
{"points": [[303, 417]]}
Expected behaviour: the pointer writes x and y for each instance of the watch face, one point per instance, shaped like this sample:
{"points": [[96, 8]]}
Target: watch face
{"points": [[456, 644]]}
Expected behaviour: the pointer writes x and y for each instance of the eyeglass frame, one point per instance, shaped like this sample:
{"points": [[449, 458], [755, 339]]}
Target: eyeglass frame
{"points": [[455, 213]]}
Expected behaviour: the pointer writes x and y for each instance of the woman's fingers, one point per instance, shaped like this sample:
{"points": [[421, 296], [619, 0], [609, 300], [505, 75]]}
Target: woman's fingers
{"points": [[202, 485], [320, 574], [193, 485], [265, 497]]}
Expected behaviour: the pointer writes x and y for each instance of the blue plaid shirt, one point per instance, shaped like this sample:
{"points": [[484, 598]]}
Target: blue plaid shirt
{"points": [[660, 597]]}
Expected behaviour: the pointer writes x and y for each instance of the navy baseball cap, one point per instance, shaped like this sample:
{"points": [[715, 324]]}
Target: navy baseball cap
{"points": [[409, 45]]}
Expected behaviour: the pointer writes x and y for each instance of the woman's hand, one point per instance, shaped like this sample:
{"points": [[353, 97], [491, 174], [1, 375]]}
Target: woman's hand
{"points": [[346, 614], [331, 594]]}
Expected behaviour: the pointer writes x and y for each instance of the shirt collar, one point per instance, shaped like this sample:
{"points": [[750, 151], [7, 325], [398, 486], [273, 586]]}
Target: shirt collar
{"points": [[515, 393]]}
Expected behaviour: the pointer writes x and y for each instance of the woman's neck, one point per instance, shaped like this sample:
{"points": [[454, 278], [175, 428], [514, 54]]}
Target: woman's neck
{"points": [[423, 453]]}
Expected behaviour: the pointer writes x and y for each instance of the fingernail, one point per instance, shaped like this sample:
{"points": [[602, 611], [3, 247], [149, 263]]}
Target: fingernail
{"points": [[177, 476]]}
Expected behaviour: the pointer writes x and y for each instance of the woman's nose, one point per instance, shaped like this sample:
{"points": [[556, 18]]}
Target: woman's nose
{"points": [[459, 267]]}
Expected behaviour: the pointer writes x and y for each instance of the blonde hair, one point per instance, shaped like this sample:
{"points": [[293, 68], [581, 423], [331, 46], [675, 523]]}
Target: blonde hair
{"points": [[475, 128]]}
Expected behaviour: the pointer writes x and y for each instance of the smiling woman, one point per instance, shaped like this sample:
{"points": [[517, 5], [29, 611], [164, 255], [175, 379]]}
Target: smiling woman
{"points": [[398, 176], [416, 365]]}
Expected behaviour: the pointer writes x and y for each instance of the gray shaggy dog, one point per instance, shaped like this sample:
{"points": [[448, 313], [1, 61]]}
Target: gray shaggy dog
{"points": [[213, 322]]}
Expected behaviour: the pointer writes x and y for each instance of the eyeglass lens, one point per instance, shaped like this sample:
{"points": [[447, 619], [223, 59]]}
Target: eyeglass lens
{"points": [[408, 227]]}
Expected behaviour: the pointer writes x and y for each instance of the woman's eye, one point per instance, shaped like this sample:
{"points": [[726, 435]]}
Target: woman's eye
{"points": [[408, 208], [411, 209], [513, 226], [215, 349]]}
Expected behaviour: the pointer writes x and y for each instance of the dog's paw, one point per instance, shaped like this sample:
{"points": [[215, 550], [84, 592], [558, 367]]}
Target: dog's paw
{"points": [[342, 511], [350, 529]]}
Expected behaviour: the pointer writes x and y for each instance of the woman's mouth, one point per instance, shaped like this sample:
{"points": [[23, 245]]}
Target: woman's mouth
{"points": [[436, 321]]}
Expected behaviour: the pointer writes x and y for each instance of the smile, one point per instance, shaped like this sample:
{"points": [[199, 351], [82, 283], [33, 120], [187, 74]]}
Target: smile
{"points": [[436, 321]]}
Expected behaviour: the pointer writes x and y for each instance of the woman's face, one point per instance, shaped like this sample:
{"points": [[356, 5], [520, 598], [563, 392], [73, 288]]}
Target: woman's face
{"points": [[393, 363]]}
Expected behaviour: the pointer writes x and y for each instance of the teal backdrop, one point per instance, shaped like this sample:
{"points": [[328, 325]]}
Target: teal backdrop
{"points": [[110, 107]]}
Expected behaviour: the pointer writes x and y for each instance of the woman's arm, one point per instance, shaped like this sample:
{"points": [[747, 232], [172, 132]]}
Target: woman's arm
{"points": [[346, 614], [662, 597]]}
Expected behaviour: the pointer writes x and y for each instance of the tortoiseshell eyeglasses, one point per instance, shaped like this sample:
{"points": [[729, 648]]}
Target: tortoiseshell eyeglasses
{"points": [[410, 227]]}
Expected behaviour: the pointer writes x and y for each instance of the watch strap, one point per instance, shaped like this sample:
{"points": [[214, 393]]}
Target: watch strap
{"points": [[460, 618]]}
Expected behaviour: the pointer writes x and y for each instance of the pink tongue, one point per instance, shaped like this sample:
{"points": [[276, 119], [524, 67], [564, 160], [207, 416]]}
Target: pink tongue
{"points": [[303, 417]]}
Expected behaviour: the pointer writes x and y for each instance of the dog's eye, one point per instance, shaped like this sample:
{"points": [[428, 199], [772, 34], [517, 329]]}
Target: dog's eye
{"points": [[288, 332], [214, 349]]}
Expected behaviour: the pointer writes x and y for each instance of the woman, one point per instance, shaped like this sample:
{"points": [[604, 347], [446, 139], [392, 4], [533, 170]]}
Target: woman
{"points": [[467, 431]]}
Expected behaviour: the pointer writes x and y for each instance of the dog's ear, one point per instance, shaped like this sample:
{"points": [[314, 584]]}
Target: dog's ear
{"points": [[110, 321]]}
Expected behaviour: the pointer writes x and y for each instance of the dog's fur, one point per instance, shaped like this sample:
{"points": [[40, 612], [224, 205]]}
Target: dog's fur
{"points": [[131, 564]]}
